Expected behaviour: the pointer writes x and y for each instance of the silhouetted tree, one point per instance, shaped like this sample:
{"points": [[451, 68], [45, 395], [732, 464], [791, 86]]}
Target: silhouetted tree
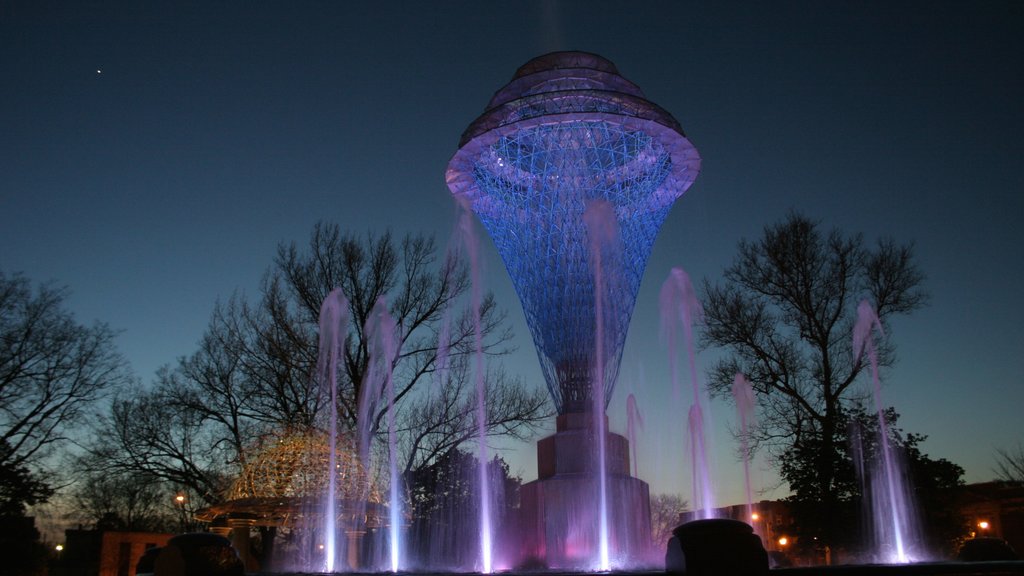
{"points": [[784, 315], [255, 373], [147, 434], [666, 510], [445, 509], [1010, 464], [19, 488], [121, 501], [52, 370]]}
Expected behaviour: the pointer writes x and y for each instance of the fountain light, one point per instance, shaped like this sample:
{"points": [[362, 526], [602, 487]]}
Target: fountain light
{"points": [[783, 541], [755, 516]]}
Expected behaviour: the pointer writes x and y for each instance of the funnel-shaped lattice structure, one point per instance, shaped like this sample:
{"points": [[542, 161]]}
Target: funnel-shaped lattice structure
{"points": [[566, 131]]}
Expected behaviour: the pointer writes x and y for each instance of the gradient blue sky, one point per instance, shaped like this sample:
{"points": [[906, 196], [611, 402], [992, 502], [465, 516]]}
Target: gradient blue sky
{"points": [[217, 130]]}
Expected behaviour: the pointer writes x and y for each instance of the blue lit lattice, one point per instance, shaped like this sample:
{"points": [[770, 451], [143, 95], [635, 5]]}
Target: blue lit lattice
{"points": [[535, 185]]}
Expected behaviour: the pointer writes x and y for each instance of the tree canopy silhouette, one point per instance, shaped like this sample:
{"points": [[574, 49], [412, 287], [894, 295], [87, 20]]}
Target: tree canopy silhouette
{"points": [[52, 370], [784, 314]]}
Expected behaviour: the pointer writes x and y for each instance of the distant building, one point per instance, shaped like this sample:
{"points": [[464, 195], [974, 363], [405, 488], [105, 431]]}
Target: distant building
{"points": [[996, 509], [106, 552]]}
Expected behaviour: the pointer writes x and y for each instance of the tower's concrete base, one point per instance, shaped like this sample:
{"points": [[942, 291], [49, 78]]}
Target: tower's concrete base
{"points": [[560, 512]]}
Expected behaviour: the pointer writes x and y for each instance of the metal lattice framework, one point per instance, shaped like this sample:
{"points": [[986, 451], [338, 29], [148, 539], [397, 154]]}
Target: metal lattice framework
{"points": [[568, 130], [285, 484]]}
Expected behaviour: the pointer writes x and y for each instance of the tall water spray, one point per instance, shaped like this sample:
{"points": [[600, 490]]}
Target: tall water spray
{"points": [[743, 395], [892, 502], [383, 337], [333, 329], [476, 301], [680, 306], [603, 235], [634, 421]]}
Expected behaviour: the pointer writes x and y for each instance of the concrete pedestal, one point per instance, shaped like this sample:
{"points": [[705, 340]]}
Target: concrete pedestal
{"points": [[560, 512]]}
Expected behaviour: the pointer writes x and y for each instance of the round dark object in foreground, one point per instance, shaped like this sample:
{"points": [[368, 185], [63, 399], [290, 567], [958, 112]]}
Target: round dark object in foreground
{"points": [[198, 554], [717, 546], [986, 550], [146, 565]]}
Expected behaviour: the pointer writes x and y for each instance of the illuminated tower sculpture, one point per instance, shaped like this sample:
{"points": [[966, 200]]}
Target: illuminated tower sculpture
{"points": [[566, 131]]}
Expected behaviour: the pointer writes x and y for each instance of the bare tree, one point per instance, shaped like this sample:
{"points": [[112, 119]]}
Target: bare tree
{"points": [[255, 373], [149, 435], [666, 514], [445, 418], [52, 370], [424, 292], [119, 501], [1010, 464], [784, 314]]}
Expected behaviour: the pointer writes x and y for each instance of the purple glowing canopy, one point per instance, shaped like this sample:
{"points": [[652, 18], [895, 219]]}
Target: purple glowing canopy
{"points": [[568, 130]]}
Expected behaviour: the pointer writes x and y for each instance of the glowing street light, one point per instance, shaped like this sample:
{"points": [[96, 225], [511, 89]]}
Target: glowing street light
{"points": [[180, 499], [755, 516], [983, 524], [783, 541]]}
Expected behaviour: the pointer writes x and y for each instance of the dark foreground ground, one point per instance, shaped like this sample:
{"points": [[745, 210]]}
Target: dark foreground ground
{"points": [[923, 569], [1015, 568]]}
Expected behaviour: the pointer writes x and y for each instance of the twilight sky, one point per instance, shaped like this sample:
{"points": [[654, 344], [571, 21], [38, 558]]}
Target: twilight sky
{"points": [[153, 155]]}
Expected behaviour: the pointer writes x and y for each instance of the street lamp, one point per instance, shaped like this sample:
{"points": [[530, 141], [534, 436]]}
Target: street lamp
{"points": [[984, 525], [180, 500], [783, 541]]}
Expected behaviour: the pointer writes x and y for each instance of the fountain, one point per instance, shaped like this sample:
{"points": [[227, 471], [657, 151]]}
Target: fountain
{"points": [[572, 172], [890, 498], [743, 396], [333, 329], [678, 301], [382, 334]]}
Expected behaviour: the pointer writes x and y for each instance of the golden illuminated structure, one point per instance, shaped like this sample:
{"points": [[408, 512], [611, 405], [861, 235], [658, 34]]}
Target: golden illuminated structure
{"points": [[285, 485]]}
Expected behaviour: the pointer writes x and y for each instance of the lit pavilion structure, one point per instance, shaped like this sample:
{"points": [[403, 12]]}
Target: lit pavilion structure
{"points": [[284, 485], [569, 130]]}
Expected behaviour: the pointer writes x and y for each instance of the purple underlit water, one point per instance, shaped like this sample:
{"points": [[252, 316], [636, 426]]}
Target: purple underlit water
{"points": [[472, 247], [892, 503], [333, 328], [634, 420], [743, 395], [679, 305], [603, 234], [384, 337]]}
